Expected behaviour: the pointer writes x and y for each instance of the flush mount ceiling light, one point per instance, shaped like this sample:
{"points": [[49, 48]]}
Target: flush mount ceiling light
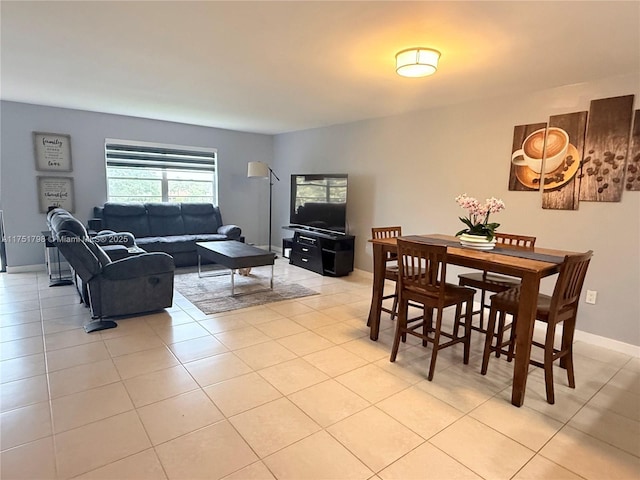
{"points": [[417, 62]]}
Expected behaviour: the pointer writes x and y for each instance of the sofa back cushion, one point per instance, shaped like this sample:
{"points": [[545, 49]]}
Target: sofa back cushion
{"points": [[201, 218], [165, 219], [126, 217]]}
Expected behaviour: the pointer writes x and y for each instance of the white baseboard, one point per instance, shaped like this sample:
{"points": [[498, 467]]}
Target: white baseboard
{"points": [[611, 344], [27, 268]]}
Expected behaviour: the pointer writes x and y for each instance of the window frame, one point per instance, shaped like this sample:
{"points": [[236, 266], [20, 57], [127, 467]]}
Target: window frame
{"points": [[165, 158]]}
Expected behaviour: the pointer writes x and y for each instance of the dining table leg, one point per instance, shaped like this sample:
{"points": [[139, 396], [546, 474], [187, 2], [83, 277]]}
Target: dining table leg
{"points": [[377, 291], [524, 335]]}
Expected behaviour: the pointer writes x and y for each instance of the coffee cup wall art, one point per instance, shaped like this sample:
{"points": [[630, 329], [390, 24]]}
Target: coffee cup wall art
{"points": [[576, 156]]}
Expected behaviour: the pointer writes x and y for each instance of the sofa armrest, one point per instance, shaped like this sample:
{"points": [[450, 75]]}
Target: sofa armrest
{"points": [[231, 231], [109, 237], [95, 224], [139, 266]]}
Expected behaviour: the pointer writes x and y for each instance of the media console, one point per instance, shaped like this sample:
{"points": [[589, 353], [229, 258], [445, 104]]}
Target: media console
{"points": [[324, 253]]}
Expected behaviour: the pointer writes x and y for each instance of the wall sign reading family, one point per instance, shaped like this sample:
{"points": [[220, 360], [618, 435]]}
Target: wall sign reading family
{"points": [[55, 192], [52, 151]]}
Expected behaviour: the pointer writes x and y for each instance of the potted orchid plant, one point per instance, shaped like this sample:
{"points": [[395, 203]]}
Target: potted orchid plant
{"points": [[478, 219]]}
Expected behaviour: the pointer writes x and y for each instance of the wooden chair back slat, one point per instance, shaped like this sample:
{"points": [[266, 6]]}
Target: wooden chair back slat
{"points": [[422, 267], [566, 293], [522, 241], [387, 232]]}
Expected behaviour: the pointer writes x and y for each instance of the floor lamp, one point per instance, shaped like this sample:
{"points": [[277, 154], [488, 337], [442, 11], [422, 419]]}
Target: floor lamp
{"points": [[262, 170]]}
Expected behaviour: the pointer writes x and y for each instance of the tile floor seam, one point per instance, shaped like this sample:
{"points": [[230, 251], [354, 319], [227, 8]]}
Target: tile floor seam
{"points": [[456, 460], [361, 460], [599, 440], [584, 404], [77, 474], [538, 454], [510, 438], [563, 466], [49, 399]]}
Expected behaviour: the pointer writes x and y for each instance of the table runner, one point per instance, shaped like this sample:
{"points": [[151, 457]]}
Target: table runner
{"points": [[512, 252]]}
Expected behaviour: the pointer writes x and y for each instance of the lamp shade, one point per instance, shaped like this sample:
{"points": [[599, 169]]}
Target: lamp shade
{"points": [[258, 170], [417, 62]]}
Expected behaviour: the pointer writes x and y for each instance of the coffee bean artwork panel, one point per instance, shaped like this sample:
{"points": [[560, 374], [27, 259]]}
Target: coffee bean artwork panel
{"points": [[562, 183], [632, 178], [606, 149], [527, 148]]}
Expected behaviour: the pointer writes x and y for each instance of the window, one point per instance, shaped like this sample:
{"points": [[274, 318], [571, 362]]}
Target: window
{"points": [[151, 172]]}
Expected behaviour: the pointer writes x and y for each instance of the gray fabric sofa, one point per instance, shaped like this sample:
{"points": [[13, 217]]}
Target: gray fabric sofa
{"points": [[137, 284], [172, 228]]}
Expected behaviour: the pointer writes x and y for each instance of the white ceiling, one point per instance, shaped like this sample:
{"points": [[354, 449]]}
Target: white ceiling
{"points": [[274, 67]]}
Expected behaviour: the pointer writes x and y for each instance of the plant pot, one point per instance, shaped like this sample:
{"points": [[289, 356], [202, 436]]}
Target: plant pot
{"points": [[477, 242]]}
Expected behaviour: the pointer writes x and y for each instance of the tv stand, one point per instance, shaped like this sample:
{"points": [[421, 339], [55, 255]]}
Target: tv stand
{"points": [[324, 253]]}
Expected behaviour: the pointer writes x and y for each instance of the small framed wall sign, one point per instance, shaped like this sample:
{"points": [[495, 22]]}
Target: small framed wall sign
{"points": [[52, 151], [55, 192]]}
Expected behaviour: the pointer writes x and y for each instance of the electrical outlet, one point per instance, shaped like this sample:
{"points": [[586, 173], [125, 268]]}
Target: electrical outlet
{"points": [[591, 297]]}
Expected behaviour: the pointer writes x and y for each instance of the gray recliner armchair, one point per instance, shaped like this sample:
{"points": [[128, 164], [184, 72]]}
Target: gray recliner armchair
{"points": [[132, 285]]}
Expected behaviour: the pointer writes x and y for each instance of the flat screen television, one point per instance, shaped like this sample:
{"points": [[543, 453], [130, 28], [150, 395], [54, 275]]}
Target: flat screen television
{"points": [[319, 202]]}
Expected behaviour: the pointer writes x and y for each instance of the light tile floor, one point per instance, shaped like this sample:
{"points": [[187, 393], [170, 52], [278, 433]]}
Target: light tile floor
{"points": [[288, 390]]}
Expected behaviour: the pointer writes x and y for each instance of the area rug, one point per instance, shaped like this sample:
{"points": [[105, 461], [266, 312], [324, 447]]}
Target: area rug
{"points": [[213, 294]]}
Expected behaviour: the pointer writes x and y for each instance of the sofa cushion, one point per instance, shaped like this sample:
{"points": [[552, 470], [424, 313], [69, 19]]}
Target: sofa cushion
{"points": [[165, 219], [201, 218], [210, 237], [168, 244], [126, 217]]}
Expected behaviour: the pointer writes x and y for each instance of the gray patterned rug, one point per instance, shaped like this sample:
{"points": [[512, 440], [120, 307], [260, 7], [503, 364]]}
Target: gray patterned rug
{"points": [[213, 294]]}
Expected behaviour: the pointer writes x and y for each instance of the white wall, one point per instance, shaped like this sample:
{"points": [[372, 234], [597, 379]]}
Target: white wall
{"points": [[408, 169], [240, 198]]}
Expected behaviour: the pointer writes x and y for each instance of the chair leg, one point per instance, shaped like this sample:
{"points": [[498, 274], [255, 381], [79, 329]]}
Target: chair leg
{"points": [[456, 322], [483, 293], [436, 345], [567, 345], [428, 324], [425, 327], [400, 327], [394, 308], [548, 362], [500, 333], [467, 329], [488, 339], [512, 340]]}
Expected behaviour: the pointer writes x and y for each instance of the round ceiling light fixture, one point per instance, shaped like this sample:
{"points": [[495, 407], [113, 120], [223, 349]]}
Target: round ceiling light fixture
{"points": [[417, 62]]}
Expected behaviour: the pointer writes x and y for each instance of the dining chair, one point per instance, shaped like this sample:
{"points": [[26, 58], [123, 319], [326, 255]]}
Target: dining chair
{"points": [[491, 282], [391, 265], [561, 307], [421, 277]]}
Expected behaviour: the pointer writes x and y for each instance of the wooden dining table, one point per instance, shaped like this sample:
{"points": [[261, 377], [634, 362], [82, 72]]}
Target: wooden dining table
{"points": [[529, 266]]}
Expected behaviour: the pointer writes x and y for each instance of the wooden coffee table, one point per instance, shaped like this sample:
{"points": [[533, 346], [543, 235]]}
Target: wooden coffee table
{"points": [[234, 255]]}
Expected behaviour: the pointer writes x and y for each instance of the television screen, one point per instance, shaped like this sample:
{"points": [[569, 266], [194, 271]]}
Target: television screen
{"points": [[319, 201]]}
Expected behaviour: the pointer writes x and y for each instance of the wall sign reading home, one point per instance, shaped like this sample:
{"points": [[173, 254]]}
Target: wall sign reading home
{"points": [[575, 156], [52, 152]]}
